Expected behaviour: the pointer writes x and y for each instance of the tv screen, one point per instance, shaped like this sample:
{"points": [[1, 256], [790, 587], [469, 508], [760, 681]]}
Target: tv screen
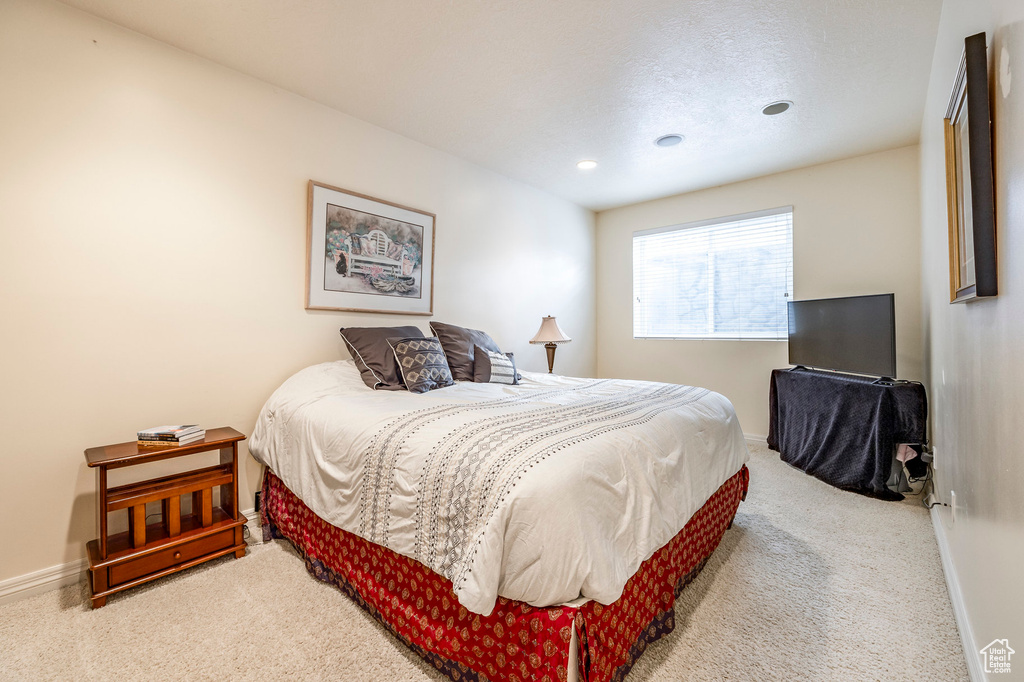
{"points": [[855, 334]]}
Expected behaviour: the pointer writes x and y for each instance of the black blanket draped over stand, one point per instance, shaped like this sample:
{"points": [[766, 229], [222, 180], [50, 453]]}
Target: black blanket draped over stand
{"points": [[844, 429]]}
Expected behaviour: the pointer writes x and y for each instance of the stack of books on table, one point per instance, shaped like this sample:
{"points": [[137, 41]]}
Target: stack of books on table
{"points": [[179, 434]]}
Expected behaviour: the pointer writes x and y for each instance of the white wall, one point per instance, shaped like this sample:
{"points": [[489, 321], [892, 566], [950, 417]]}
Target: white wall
{"points": [[855, 231], [152, 249], [974, 350]]}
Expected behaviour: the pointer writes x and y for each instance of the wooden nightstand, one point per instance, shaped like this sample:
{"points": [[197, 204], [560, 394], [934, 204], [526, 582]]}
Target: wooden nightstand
{"points": [[175, 542]]}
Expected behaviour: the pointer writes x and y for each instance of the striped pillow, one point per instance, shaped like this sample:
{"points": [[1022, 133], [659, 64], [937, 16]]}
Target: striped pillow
{"points": [[493, 368]]}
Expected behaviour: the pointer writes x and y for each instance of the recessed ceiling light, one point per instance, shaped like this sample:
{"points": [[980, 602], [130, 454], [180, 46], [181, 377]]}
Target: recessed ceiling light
{"points": [[586, 164], [669, 140], [776, 108]]}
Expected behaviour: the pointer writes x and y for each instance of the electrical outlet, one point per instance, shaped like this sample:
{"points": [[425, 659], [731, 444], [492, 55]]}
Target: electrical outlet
{"points": [[952, 507]]}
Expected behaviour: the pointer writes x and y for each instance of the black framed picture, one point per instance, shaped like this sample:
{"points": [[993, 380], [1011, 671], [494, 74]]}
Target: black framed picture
{"points": [[970, 188]]}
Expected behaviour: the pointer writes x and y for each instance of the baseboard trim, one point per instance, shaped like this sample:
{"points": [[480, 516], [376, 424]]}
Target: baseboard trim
{"points": [[755, 439], [956, 599], [251, 515], [37, 582], [252, 518]]}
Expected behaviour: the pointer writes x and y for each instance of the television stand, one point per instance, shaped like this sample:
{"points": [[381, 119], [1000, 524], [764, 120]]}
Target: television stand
{"points": [[845, 429]]}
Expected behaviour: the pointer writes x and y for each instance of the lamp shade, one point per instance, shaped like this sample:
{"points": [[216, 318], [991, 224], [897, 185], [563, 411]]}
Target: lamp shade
{"points": [[550, 332]]}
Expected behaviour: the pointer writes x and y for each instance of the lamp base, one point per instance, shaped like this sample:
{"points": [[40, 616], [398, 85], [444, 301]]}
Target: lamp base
{"points": [[550, 348]]}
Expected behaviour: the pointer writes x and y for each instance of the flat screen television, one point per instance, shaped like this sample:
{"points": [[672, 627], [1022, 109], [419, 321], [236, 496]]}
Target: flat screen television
{"points": [[856, 334]]}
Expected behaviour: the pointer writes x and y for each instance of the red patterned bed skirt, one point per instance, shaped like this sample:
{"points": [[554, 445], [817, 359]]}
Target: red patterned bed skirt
{"points": [[517, 642]]}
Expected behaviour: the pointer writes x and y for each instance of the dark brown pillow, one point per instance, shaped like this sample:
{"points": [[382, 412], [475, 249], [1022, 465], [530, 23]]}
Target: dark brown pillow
{"points": [[422, 364], [458, 344], [373, 355]]}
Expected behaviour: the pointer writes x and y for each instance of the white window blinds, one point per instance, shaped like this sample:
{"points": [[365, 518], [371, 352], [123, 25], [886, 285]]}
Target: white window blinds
{"points": [[728, 278]]}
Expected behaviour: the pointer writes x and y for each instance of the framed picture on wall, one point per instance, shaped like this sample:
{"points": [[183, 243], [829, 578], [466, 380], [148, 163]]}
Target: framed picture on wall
{"points": [[367, 255], [970, 196]]}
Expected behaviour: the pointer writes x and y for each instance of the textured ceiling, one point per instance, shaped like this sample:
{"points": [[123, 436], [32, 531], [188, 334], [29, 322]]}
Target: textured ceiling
{"points": [[530, 87]]}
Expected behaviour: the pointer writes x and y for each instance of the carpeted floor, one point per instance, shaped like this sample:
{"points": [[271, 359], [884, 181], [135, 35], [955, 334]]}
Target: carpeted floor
{"points": [[811, 583]]}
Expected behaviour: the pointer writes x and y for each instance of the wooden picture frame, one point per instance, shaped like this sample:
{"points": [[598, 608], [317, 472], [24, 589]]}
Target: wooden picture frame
{"points": [[970, 195], [367, 255]]}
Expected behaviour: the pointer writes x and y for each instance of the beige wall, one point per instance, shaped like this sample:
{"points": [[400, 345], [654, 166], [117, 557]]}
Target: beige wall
{"points": [[152, 248], [974, 350], [855, 231]]}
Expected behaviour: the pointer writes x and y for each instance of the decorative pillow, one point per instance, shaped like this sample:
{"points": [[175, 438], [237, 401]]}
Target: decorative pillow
{"points": [[374, 357], [458, 344], [421, 361], [512, 357], [494, 368]]}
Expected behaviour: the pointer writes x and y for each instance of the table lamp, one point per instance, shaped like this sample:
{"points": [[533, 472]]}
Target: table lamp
{"points": [[550, 334]]}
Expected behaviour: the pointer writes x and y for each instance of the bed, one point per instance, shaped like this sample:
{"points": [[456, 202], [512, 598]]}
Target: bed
{"points": [[537, 531]]}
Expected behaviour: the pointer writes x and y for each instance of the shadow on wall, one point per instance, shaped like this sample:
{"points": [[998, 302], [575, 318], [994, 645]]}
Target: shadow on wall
{"points": [[82, 521]]}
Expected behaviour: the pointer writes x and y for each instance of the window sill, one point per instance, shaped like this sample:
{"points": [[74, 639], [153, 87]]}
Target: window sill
{"points": [[711, 338]]}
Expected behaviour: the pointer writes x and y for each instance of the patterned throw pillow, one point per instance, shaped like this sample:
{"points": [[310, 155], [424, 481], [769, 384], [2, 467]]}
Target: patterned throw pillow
{"points": [[422, 364], [494, 368]]}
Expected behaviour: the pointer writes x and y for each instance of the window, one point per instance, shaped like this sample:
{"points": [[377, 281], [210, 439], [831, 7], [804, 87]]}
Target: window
{"points": [[727, 278]]}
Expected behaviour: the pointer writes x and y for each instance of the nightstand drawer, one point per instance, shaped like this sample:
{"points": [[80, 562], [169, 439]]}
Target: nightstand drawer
{"points": [[178, 554]]}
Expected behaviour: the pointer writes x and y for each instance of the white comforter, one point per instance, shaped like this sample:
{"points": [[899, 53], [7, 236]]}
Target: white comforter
{"points": [[544, 492]]}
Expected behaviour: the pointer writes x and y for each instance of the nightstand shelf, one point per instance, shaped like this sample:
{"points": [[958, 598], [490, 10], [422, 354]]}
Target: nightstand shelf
{"points": [[177, 541]]}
